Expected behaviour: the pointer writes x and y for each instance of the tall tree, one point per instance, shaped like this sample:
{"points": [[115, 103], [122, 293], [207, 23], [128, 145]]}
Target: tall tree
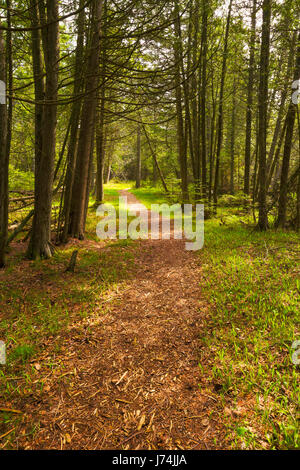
{"points": [[39, 83], [203, 94], [271, 162], [232, 138], [290, 122], [3, 155], [74, 121], [262, 113], [138, 158], [40, 242], [221, 106], [250, 87], [181, 137], [100, 131], [155, 161], [87, 127]]}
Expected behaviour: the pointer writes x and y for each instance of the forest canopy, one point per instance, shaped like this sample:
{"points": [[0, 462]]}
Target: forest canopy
{"points": [[200, 97]]}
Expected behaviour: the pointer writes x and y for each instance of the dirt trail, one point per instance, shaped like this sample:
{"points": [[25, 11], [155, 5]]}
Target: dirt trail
{"points": [[137, 383]]}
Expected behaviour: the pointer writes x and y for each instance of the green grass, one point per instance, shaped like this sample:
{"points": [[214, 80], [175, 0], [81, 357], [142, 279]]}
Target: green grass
{"points": [[112, 198], [251, 281], [150, 195], [51, 299], [113, 186]]}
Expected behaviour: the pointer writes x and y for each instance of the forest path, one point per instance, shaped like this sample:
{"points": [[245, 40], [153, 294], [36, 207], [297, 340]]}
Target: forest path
{"points": [[137, 383]]}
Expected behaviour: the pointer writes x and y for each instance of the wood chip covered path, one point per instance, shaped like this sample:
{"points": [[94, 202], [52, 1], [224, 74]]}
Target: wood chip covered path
{"points": [[133, 381]]}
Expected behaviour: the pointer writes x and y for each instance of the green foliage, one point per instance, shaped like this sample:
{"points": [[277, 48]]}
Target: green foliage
{"points": [[234, 200], [20, 180], [250, 279], [22, 353], [150, 195]]}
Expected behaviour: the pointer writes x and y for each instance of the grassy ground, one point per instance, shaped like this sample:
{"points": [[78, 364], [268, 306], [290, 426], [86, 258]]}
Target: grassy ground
{"points": [[150, 195], [251, 281]]}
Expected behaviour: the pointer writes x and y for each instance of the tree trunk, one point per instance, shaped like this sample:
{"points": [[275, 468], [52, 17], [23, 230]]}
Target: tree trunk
{"points": [[138, 158], [203, 96], [297, 221], [74, 120], [262, 114], [278, 126], [156, 164], [290, 121], [108, 172], [101, 139], [40, 242], [88, 116], [232, 140], [181, 138], [250, 100], [221, 106], [212, 145], [194, 92], [39, 85], [275, 167], [88, 186], [3, 158]]}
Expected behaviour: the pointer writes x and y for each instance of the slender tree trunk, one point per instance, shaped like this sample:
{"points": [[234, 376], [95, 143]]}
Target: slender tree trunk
{"points": [[88, 116], [212, 146], [290, 122], [154, 173], [254, 176], [89, 179], [221, 106], [138, 158], [100, 141], [75, 116], [203, 96], [156, 164], [232, 141], [40, 242], [39, 84], [186, 75], [181, 138], [101, 120], [250, 100], [275, 167], [9, 67], [262, 110], [194, 102], [108, 172], [5, 127], [297, 221], [3, 157], [278, 125]]}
